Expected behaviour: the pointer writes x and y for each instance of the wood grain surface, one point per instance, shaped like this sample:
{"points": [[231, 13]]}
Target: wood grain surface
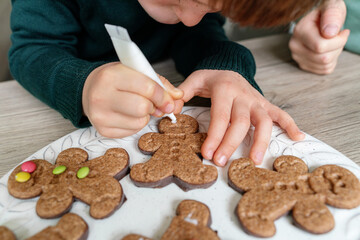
{"points": [[326, 107]]}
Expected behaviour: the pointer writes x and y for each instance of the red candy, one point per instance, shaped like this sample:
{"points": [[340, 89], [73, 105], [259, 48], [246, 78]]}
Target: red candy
{"points": [[28, 166]]}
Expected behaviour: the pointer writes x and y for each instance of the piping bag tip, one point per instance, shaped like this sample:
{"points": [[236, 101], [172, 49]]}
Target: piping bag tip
{"points": [[172, 117]]}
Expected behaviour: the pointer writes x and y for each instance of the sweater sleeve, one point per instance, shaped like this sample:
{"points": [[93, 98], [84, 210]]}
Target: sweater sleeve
{"points": [[43, 56], [205, 46]]}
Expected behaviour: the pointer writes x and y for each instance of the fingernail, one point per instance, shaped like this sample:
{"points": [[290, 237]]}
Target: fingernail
{"points": [[222, 160], [301, 135], [209, 154], [169, 108], [177, 90], [158, 113], [258, 157], [331, 29]]}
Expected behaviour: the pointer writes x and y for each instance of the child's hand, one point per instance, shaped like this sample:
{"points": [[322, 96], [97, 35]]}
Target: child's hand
{"points": [[317, 40], [234, 101], [119, 101]]}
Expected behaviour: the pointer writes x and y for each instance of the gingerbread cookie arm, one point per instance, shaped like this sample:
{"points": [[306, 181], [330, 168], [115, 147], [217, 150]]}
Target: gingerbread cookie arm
{"points": [[150, 142], [33, 187], [114, 163], [195, 141], [6, 234], [70, 227], [192, 173], [257, 210], [55, 201]]}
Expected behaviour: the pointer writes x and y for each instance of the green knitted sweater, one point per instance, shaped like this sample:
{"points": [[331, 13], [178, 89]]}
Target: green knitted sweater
{"points": [[57, 43]]}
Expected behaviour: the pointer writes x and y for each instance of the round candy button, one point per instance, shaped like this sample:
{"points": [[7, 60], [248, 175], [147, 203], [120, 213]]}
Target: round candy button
{"points": [[22, 176], [28, 166], [83, 172], [59, 170]]}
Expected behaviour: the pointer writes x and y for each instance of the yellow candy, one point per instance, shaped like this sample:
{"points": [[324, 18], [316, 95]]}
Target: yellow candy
{"points": [[22, 176]]}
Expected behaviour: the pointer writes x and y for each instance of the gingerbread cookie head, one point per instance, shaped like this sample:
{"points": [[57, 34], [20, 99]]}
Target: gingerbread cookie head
{"points": [[94, 182], [192, 221], [175, 157], [185, 124], [270, 194]]}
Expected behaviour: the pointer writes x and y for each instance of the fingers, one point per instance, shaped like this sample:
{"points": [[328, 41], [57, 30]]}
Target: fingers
{"points": [[239, 126], [319, 63], [263, 127], [119, 101], [174, 92], [126, 79], [286, 122], [178, 106], [316, 43], [220, 113], [132, 105], [115, 132], [316, 54], [115, 120], [332, 18]]}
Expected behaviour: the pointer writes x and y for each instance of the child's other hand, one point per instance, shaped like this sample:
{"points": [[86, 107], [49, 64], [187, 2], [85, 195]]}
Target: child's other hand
{"points": [[235, 104], [318, 40], [119, 100]]}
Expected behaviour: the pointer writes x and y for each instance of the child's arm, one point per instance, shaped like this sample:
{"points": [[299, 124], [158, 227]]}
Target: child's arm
{"points": [[44, 55], [224, 71], [48, 58]]}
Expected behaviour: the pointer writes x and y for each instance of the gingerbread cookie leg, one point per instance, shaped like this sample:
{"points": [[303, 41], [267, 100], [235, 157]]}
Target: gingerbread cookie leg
{"points": [[257, 210], [196, 175], [70, 227], [103, 194], [6, 234], [157, 172], [313, 216]]}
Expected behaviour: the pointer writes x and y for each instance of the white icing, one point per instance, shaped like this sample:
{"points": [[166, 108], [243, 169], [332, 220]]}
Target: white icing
{"points": [[190, 220]]}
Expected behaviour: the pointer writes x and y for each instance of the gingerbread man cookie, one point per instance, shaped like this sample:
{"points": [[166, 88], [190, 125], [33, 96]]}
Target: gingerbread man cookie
{"points": [[94, 182], [192, 221], [175, 157], [267, 194]]}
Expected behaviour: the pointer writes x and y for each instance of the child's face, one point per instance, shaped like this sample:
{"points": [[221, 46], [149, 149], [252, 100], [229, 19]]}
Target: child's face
{"points": [[189, 12]]}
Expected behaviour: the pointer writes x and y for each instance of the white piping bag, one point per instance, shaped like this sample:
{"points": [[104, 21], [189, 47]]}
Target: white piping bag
{"points": [[131, 56]]}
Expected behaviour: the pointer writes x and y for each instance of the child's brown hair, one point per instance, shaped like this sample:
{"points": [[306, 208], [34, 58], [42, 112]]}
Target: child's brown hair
{"points": [[265, 13]]}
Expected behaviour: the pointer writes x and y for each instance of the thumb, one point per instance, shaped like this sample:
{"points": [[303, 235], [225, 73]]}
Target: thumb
{"points": [[174, 92], [332, 18]]}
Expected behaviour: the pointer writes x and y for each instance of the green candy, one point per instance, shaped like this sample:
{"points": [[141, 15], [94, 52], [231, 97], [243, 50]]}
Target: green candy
{"points": [[83, 172], [59, 170]]}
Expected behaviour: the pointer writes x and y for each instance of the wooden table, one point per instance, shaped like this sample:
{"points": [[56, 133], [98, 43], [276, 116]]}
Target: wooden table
{"points": [[326, 107]]}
